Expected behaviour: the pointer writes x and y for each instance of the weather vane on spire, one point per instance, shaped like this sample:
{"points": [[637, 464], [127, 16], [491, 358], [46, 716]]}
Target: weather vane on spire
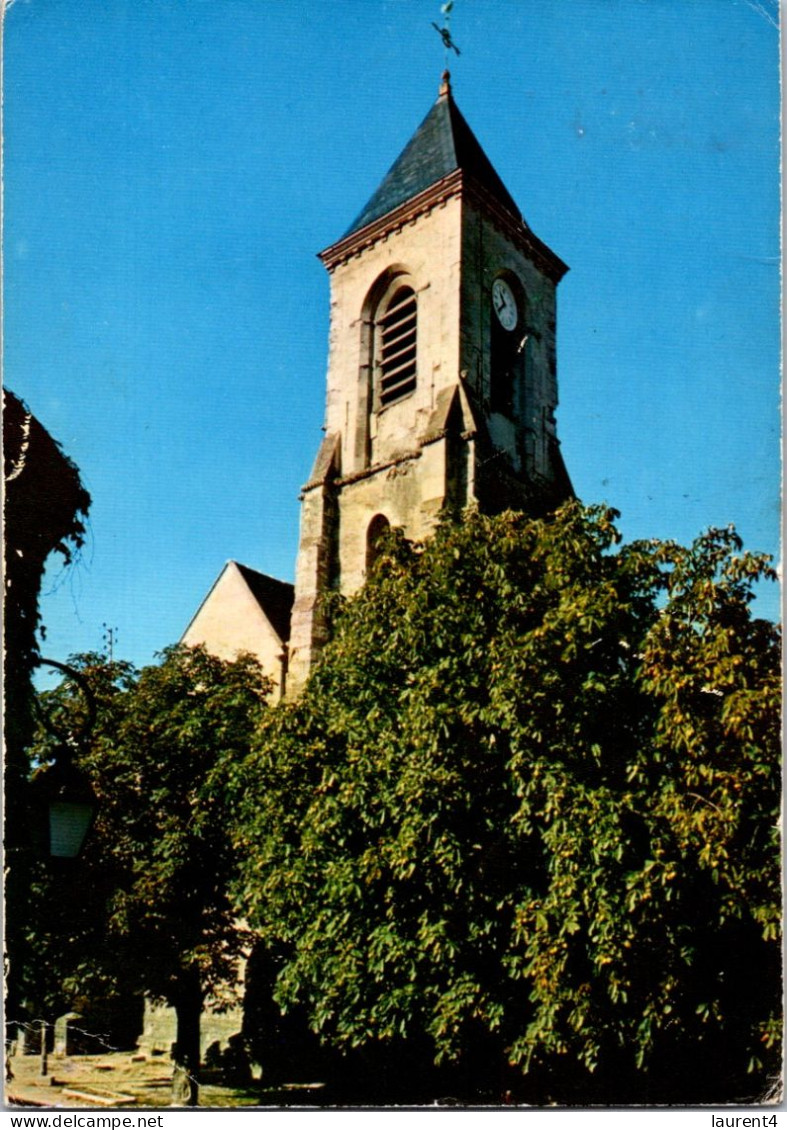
{"points": [[445, 31]]}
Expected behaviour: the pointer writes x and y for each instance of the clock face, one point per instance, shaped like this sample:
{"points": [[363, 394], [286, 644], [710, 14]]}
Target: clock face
{"points": [[505, 304]]}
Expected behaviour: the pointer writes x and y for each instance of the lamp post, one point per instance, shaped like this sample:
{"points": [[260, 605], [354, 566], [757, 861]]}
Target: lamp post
{"points": [[70, 803], [65, 790]]}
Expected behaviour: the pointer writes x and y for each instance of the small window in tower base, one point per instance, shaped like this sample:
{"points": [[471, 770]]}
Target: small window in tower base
{"points": [[397, 357]]}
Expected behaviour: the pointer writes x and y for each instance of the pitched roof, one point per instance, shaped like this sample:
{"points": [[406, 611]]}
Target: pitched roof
{"points": [[274, 598], [442, 143]]}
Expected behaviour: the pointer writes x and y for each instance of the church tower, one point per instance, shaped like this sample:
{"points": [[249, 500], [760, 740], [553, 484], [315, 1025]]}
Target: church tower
{"points": [[442, 367]]}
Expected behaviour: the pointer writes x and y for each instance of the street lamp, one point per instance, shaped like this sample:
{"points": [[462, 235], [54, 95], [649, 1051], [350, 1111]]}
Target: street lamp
{"points": [[70, 804], [67, 792]]}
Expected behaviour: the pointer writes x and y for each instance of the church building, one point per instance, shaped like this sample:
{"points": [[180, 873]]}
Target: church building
{"points": [[442, 374]]}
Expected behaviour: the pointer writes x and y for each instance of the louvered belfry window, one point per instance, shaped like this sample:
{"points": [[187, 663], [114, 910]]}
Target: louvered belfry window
{"points": [[397, 329]]}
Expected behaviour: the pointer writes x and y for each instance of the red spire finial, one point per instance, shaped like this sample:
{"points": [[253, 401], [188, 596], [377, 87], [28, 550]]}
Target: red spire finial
{"points": [[445, 84]]}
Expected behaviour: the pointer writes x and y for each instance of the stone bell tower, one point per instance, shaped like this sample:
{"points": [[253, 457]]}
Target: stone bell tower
{"points": [[442, 367]]}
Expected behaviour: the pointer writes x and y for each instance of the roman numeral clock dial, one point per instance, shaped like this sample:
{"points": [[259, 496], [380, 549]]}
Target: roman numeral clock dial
{"points": [[505, 304]]}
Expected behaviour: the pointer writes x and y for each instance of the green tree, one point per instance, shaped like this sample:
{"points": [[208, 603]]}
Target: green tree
{"points": [[525, 815], [156, 913], [63, 921]]}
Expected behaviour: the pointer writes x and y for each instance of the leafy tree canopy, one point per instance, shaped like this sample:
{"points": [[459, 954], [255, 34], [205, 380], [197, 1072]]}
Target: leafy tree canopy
{"points": [[147, 907], [526, 810]]}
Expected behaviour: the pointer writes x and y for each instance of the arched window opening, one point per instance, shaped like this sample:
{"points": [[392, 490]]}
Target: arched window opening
{"points": [[378, 527], [397, 328]]}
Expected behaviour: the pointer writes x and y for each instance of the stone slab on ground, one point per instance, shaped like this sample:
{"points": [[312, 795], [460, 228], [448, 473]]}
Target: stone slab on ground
{"points": [[98, 1098], [148, 1083]]}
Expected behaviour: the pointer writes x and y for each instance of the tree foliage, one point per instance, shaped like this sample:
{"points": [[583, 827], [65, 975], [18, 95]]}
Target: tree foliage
{"points": [[152, 911], [526, 811]]}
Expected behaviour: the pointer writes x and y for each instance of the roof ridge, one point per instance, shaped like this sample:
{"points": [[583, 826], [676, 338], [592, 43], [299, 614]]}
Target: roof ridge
{"points": [[258, 572]]}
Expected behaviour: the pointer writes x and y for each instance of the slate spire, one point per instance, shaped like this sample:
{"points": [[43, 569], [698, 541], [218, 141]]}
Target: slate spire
{"points": [[442, 144]]}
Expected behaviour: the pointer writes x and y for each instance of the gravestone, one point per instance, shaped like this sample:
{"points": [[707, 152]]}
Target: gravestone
{"points": [[69, 1034]]}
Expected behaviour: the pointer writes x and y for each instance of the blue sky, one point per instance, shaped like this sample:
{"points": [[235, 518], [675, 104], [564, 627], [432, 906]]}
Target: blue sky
{"points": [[173, 166]]}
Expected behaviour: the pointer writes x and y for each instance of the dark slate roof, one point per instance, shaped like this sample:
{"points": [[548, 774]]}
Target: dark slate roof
{"points": [[274, 598], [442, 143]]}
